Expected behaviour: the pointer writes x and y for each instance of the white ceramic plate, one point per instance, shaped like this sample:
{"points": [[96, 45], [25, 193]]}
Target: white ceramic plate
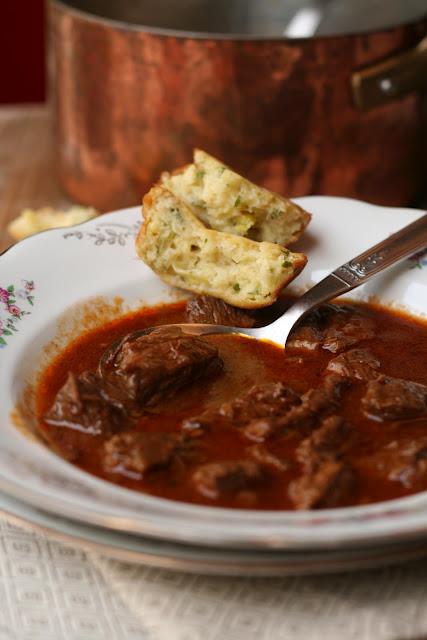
{"points": [[42, 278], [203, 559]]}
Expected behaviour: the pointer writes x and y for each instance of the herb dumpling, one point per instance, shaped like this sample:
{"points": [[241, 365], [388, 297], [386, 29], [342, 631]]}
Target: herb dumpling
{"points": [[227, 202], [184, 253]]}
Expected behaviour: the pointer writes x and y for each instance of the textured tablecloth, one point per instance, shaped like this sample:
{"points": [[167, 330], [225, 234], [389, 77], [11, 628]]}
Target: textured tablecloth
{"points": [[50, 591], [387, 604]]}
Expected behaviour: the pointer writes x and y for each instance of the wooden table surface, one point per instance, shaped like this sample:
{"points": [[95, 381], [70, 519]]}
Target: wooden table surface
{"points": [[27, 164]]}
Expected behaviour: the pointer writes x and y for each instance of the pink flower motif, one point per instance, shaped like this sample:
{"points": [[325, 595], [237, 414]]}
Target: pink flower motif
{"points": [[29, 285], [4, 295], [14, 310]]}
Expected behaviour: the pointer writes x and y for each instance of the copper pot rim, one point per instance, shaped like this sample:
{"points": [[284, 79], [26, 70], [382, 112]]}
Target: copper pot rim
{"points": [[182, 34]]}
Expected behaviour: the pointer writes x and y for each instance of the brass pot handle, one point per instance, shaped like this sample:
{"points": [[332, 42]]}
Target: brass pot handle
{"points": [[392, 78]]}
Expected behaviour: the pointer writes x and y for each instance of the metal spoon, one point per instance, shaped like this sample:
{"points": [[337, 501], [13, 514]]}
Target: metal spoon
{"points": [[348, 276]]}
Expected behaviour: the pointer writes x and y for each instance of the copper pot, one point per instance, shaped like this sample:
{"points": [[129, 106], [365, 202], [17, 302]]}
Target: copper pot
{"points": [[336, 109]]}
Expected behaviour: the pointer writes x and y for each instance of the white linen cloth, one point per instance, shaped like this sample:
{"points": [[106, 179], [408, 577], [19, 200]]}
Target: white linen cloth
{"points": [[386, 604], [52, 591]]}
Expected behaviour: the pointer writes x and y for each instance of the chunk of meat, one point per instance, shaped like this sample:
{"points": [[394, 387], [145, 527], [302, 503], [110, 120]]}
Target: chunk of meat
{"points": [[357, 364], [314, 404], [261, 454], [133, 454], [266, 409], [332, 328], [405, 463], [305, 337], [149, 367], [83, 404], [330, 440], [335, 385], [328, 485], [348, 332], [208, 310], [269, 399], [413, 472], [220, 478], [390, 398]]}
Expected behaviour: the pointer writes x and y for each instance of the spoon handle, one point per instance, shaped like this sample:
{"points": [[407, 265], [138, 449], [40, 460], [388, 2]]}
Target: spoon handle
{"points": [[360, 269], [401, 244], [350, 275]]}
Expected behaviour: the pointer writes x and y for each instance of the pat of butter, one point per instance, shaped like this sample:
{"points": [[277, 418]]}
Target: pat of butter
{"points": [[32, 221]]}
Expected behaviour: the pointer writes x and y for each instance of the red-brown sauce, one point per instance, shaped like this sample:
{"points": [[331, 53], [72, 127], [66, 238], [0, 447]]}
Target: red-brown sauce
{"points": [[400, 343]]}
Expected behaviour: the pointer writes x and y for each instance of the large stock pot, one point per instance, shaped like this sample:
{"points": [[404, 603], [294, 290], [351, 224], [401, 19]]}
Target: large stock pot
{"points": [[321, 96]]}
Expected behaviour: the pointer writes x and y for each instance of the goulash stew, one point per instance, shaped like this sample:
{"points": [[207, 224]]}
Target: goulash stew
{"points": [[339, 418]]}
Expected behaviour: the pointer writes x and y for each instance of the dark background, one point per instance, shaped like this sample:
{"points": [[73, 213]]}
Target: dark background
{"points": [[22, 46]]}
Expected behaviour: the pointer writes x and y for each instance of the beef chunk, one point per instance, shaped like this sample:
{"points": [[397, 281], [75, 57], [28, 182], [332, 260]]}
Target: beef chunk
{"points": [[332, 328], [133, 454], [328, 485], [328, 441], [334, 385], [84, 404], [393, 398], [208, 310], [403, 462], [314, 403], [261, 454], [269, 408], [272, 398], [220, 478], [305, 337], [412, 472], [347, 332], [359, 364], [149, 367]]}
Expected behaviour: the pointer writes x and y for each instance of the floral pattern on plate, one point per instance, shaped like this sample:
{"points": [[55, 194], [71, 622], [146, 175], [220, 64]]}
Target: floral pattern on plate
{"points": [[11, 311], [419, 260], [110, 234]]}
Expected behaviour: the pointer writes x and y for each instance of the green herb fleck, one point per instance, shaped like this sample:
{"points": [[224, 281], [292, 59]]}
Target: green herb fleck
{"points": [[287, 264], [236, 204], [200, 174], [178, 214], [274, 213], [236, 286], [221, 171]]}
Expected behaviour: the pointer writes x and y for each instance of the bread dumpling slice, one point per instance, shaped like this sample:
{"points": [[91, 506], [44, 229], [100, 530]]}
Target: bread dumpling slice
{"points": [[184, 253], [227, 202]]}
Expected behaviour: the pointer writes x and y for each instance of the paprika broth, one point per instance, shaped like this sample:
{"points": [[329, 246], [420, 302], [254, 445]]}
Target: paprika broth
{"points": [[338, 419]]}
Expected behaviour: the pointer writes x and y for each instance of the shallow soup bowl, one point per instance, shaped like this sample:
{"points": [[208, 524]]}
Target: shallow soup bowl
{"points": [[57, 284]]}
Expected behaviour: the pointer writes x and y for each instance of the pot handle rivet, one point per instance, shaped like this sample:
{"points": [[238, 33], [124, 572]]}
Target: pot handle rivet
{"points": [[392, 78]]}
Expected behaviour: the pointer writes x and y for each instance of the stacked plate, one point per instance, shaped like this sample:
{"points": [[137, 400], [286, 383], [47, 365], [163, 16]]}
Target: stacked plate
{"points": [[56, 280]]}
